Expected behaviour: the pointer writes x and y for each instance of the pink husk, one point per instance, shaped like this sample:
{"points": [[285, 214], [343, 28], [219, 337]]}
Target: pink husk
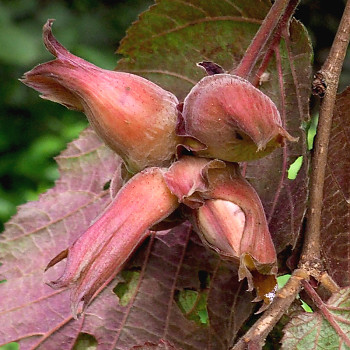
{"points": [[226, 117], [215, 183], [103, 249], [134, 116]]}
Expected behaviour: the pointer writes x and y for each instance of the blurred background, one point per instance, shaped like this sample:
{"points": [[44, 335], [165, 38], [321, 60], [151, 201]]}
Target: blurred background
{"points": [[32, 130]]}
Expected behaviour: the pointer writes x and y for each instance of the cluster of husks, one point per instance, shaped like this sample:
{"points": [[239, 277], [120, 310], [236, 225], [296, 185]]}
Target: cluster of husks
{"points": [[224, 119]]}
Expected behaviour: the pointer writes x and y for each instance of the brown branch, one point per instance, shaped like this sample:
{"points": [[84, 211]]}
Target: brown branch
{"points": [[310, 258], [284, 297], [255, 337], [261, 37]]}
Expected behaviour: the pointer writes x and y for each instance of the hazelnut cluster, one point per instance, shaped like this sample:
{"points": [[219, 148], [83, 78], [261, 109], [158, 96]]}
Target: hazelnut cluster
{"points": [[223, 120]]}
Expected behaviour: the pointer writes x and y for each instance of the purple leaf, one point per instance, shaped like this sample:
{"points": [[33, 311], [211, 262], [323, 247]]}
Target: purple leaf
{"points": [[169, 39], [335, 234], [162, 345], [38, 317], [30, 310]]}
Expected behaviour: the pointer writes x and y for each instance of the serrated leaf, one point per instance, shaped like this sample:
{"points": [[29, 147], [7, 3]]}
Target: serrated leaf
{"points": [[335, 234], [171, 37], [313, 331], [69, 207]]}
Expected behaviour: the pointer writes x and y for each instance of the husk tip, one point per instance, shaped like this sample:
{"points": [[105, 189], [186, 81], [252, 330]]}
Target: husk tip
{"points": [[50, 42]]}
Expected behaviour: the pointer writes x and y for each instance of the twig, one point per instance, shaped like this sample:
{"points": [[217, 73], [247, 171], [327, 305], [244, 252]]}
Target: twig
{"points": [[310, 258], [325, 312], [284, 298], [261, 37], [328, 283], [257, 45]]}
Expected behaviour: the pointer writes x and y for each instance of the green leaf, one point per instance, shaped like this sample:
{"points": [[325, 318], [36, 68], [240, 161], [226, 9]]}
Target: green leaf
{"points": [[193, 304], [294, 168], [85, 341], [311, 133], [282, 280], [126, 290], [10, 346], [313, 331]]}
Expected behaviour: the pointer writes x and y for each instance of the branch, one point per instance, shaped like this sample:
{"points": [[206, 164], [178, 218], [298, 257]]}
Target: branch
{"points": [[330, 72], [260, 39], [256, 335]]}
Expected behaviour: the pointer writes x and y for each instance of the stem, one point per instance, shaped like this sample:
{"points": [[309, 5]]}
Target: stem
{"points": [[330, 72], [325, 312], [284, 298], [261, 37], [282, 26]]}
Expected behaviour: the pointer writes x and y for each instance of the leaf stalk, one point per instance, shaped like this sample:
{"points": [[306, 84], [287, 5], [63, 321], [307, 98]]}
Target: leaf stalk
{"points": [[325, 312], [282, 27], [261, 38]]}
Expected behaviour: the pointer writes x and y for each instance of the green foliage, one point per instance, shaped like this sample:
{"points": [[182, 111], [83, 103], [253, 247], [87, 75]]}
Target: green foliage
{"points": [[10, 346], [33, 131], [85, 341], [312, 132], [193, 304], [126, 290], [294, 168], [282, 280]]}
